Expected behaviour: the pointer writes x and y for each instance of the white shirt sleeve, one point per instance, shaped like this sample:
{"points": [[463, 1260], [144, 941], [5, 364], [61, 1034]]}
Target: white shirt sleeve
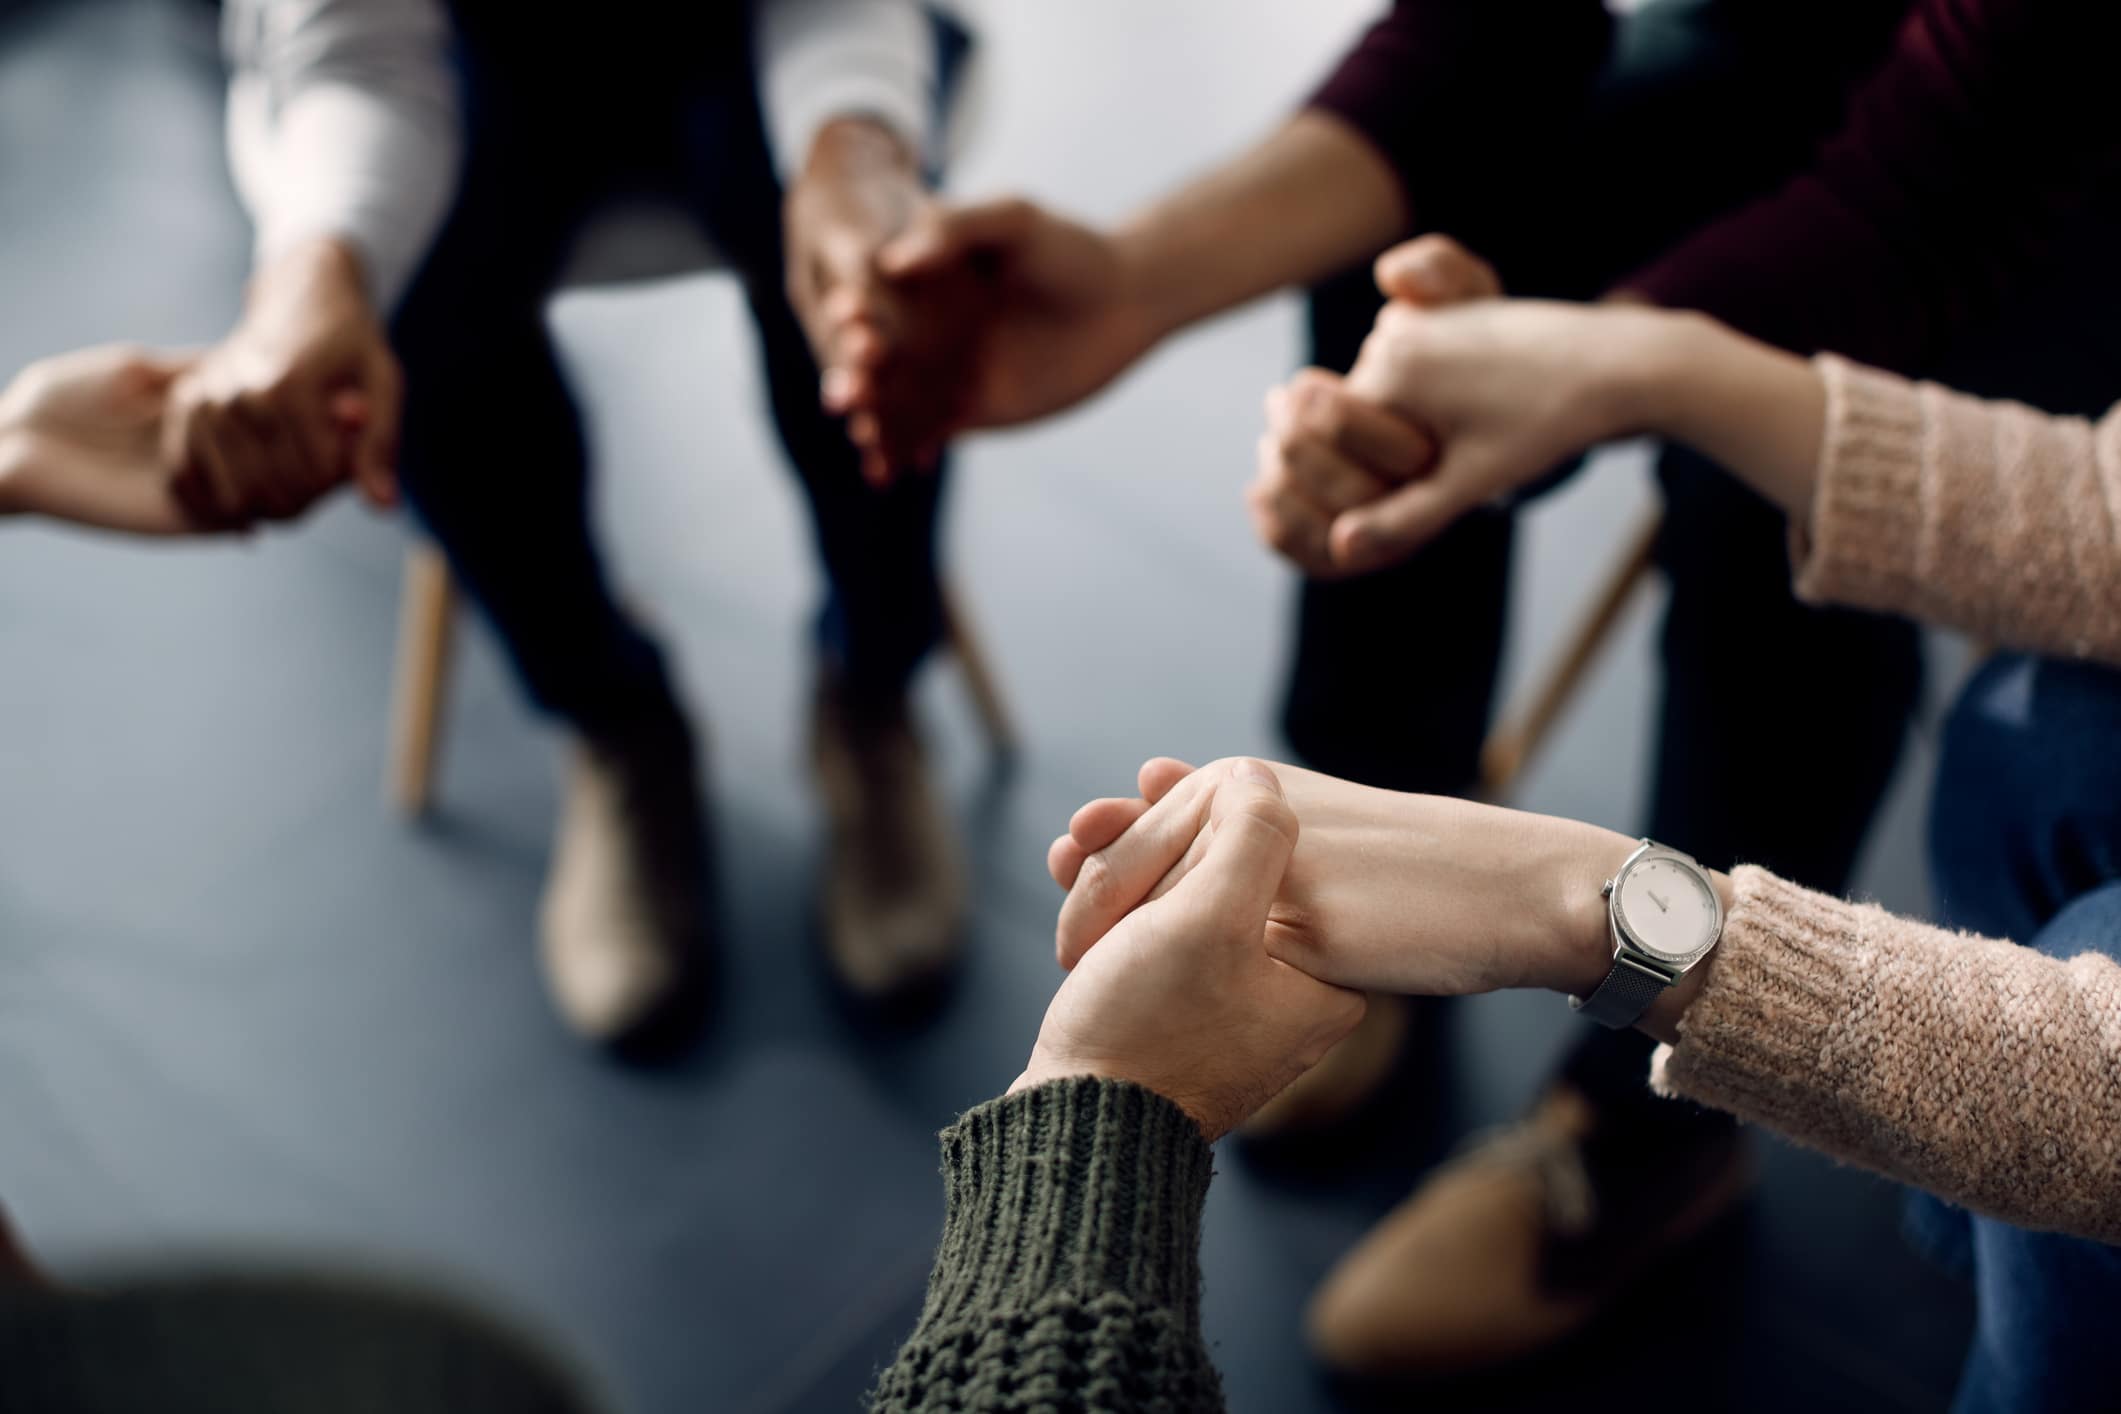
{"points": [[343, 120], [824, 59]]}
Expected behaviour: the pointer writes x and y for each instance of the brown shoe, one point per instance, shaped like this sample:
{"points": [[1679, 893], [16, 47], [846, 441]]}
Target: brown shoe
{"points": [[895, 896], [1515, 1245], [1341, 1082], [622, 928]]}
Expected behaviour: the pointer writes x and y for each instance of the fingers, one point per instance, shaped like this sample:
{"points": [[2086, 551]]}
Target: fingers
{"points": [[1110, 883], [1064, 861], [375, 450], [1319, 408], [212, 487], [1159, 776], [1285, 520], [1389, 530], [941, 237], [1435, 270], [1241, 872], [1326, 451], [1097, 824]]}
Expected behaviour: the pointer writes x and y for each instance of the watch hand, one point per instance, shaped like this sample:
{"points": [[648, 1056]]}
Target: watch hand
{"points": [[1662, 906]]}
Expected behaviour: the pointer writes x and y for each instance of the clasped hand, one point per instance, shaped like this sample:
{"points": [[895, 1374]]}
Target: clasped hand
{"points": [[1457, 398], [1373, 891]]}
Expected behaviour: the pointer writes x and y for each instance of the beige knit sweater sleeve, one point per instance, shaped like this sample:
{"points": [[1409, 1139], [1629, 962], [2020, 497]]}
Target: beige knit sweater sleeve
{"points": [[1978, 1070], [1989, 517]]}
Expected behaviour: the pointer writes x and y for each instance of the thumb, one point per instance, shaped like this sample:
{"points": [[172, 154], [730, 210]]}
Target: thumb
{"points": [[1255, 835], [943, 237], [154, 372], [1389, 529], [1435, 270]]}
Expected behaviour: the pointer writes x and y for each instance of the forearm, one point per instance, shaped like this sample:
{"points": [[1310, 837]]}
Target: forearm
{"points": [[1978, 1070], [1755, 411], [343, 122], [868, 167], [1071, 1249], [1910, 499], [821, 61], [1313, 198]]}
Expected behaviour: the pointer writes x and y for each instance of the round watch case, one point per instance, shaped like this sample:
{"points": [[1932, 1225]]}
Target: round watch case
{"points": [[1632, 938]]}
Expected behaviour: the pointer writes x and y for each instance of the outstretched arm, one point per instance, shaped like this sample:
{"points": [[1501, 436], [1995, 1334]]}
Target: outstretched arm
{"points": [[1905, 498], [344, 135], [80, 438], [1070, 1262], [1907, 1049], [343, 125]]}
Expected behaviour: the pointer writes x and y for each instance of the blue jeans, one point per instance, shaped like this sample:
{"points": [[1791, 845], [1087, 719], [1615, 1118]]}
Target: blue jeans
{"points": [[2025, 843], [562, 108]]}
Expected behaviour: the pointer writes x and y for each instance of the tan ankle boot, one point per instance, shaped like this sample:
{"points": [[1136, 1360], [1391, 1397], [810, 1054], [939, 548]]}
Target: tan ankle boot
{"points": [[1514, 1245], [622, 929], [895, 896]]}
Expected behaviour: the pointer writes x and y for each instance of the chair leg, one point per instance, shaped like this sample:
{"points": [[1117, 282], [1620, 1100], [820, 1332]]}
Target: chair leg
{"points": [[1513, 743], [980, 680], [426, 625]]}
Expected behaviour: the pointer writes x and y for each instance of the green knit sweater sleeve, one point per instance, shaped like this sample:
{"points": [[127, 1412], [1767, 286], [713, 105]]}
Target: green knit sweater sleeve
{"points": [[1069, 1273]]}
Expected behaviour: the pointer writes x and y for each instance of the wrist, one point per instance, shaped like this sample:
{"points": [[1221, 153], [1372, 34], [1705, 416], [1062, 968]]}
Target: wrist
{"points": [[1575, 929], [1153, 281], [859, 145], [1042, 1070], [1643, 383], [315, 272]]}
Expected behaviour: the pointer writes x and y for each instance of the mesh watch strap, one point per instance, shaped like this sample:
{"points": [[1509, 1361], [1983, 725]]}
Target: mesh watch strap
{"points": [[1624, 996]]}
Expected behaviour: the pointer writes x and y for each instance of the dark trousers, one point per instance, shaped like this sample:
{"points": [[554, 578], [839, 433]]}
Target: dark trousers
{"points": [[1704, 105], [494, 458], [2025, 842]]}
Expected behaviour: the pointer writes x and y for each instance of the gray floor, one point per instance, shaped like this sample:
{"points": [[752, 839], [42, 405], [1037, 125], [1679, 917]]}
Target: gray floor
{"points": [[243, 1010]]}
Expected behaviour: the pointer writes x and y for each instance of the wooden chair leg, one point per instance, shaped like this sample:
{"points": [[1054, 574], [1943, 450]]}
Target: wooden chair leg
{"points": [[426, 626], [980, 680], [1513, 743]]}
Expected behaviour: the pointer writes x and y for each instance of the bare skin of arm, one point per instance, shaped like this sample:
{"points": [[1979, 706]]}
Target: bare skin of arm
{"points": [[1062, 309]]}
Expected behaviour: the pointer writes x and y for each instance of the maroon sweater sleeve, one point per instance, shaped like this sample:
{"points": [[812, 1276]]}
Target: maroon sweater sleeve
{"points": [[1446, 88], [1987, 123]]}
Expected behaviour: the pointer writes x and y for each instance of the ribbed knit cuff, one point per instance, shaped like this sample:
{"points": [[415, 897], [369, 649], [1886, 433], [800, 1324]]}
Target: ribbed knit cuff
{"points": [[1094, 1186], [1790, 969], [1863, 547]]}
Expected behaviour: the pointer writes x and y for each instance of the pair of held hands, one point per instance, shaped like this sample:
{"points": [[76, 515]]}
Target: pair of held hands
{"points": [[990, 315], [304, 395], [927, 321], [1221, 926], [300, 399]]}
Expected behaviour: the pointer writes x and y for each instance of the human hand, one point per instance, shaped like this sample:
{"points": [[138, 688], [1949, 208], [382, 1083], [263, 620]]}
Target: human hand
{"points": [[878, 343], [81, 438], [302, 395], [1181, 996], [1329, 451], [1386, 892], [1056, 315]]}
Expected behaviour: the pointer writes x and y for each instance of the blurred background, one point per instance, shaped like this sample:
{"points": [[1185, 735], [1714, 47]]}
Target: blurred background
{"points": [[246, 1011]]}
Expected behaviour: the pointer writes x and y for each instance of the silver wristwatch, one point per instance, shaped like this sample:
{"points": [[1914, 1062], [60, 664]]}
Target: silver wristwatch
{"points": [[1665, 915]]}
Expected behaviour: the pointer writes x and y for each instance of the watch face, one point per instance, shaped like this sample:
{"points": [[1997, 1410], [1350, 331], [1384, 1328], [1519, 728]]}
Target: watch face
{"points": [[1668, 907]]}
